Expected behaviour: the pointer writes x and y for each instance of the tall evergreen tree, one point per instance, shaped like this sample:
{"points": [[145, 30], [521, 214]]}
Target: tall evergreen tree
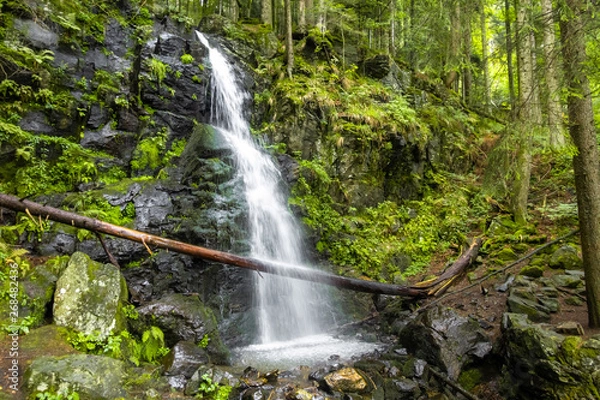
{"points": [[587, 161]]}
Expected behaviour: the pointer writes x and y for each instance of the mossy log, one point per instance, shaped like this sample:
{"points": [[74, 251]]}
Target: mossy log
{"points": [[269, 267]]}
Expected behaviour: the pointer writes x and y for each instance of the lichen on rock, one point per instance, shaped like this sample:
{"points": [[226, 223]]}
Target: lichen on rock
{"points": [[89, 296]]}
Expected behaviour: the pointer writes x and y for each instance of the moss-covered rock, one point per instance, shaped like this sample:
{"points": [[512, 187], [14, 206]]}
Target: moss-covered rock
{"points": [[92, 377], [533, 271], [89, 297], [565, 257], [543, 364]]}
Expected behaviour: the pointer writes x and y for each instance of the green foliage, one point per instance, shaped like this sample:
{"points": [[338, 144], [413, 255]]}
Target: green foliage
{"points": [[374, 241], [187, 58], [92, 204], [130, 312], [44, 164], [60, 395], [151, 152], [158, 69], [148, 152], [149, 348], [203, 343], [353, 107], [210, 390]]}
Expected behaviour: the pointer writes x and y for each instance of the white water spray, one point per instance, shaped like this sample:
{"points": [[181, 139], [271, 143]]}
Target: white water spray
{"points": [[288, 308]]}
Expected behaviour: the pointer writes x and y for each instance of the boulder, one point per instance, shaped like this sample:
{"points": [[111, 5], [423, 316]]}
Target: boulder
{"points": [[92, 377], [186, 318], [443, 338], [565, 257], [184, 359], [89, 296], [543, 364], [348, 380]]}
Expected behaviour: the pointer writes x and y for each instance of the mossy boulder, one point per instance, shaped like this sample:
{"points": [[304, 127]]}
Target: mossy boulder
{"points": [[92, 377], [533, 271], [543, 364], [565, 257], [89, 297], [35, 295]]}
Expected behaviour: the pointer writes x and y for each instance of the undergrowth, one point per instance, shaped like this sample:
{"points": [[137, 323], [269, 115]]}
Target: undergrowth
{"points": [[388, 241]]}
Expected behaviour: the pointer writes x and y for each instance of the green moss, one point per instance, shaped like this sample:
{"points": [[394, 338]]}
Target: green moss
{"points": [[470, 378]]}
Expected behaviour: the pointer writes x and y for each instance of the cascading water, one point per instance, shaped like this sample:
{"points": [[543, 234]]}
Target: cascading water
{"points": [[291, 312], [287, 307]]}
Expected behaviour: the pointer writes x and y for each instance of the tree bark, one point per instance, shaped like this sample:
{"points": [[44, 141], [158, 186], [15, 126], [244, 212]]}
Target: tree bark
{"points": [[266, 12], [587, 162], [487, 92], [302, 16], [526, 114], [509, 57], [289, 42], [269, 267], [551, 73]]}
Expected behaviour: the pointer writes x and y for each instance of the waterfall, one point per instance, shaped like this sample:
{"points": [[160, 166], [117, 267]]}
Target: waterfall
{"points": [[288, 308]]}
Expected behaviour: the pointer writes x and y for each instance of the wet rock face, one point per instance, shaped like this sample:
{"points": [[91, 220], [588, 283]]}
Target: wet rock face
{"points": [[544, 364], [93, 377], [89, 296], [184, 359], [445, 339], [185, 318]]}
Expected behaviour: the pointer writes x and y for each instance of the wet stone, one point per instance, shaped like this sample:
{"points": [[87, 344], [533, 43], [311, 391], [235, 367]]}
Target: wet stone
{"points": [[347, 380], [184, 359]]}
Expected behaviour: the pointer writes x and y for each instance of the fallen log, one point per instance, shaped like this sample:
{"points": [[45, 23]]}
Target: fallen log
{"points": [[269, 267]]}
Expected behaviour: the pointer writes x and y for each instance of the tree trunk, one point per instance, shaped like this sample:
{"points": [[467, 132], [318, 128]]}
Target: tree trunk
{"points": [[467, 75], [452, 58], [392, 47], [525, 114], [487, 95], [321, 22], [282, 269], [587, 162], [553, 106], [266, 12], [302, 16], [509, 60], [289, 43]]}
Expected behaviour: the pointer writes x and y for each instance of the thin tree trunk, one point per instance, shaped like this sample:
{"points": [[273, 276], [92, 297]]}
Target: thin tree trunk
{"points": [[509, 60], [392, 47], [321, 22], [487, 95], [302, 16], [553, 106], [452, 59], [289, 43], [467, 75], [586, 163], [266, 12], [525, 117], [291, 271]]}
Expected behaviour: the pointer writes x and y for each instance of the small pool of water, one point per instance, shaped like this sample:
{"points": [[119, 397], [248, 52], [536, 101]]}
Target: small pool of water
{"points": [[311, 351]]}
